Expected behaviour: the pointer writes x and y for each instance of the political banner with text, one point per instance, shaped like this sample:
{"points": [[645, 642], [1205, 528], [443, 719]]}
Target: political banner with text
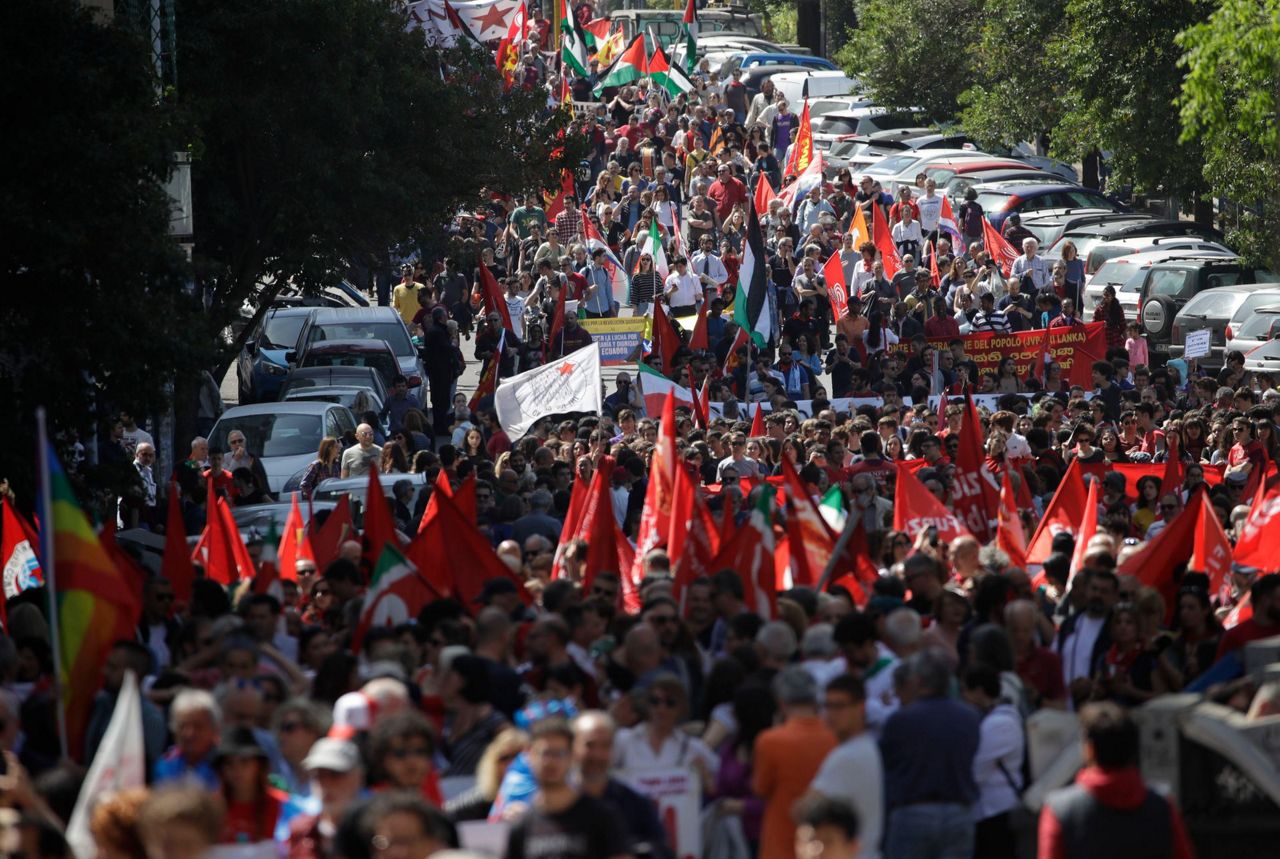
{"points": [[620, 339], [1073, 348]]}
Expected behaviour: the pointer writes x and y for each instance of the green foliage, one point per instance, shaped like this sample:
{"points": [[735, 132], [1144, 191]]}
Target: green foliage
{"points": [[96, 315], [1016, 94], [1228, 101], [1119, 65], [327, 133], [914, 52]]}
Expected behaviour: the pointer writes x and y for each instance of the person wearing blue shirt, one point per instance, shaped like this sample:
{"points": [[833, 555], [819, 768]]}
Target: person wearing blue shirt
{"points": [[599, 301], [194, 718]]}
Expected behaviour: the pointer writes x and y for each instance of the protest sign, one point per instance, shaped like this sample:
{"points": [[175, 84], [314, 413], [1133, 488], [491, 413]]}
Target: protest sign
{"points": [[678, 795], [1197, 344], [1074, 348], [619, 339]]}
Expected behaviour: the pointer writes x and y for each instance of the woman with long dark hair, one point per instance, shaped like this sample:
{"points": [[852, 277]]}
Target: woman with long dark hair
{"points": [[754, 708]]}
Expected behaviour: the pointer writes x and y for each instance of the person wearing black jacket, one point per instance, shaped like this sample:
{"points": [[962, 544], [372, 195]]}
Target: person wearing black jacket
{"points": [[442, 368]]}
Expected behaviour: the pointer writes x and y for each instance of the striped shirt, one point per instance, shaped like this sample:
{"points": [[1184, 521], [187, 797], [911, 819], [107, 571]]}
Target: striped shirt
{"points": [[994, 320]]}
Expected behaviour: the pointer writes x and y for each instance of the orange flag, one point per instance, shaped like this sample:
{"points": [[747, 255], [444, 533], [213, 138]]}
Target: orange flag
{"points": [[884, 243]]}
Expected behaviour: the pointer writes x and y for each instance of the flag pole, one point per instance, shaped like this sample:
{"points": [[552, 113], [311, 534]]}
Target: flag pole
{"points": [[49, 567], [850, 525]]}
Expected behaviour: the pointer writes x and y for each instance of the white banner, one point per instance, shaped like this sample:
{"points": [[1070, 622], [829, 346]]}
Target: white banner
{"points": [[678, 795], [568, 384], [488, 20], [120, 764]]}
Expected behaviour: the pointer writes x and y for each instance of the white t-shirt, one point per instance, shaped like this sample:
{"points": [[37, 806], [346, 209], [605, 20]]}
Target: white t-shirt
{"points": [[515, 308], [930, 211], [853, 772], [134, 437], [688, 289], [633, 751]]}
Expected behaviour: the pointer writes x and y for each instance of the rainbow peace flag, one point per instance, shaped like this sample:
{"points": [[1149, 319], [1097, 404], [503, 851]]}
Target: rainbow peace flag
{"points": [[97, 602]]}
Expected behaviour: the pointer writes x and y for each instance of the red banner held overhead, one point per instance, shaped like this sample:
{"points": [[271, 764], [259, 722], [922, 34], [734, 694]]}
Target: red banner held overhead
{"points": [[1074, 349]]}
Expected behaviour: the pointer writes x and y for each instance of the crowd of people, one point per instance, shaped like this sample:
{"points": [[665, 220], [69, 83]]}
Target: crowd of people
{"points": [[888, 720]]}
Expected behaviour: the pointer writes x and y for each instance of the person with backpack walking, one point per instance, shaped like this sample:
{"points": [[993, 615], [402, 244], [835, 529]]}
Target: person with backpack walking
{"points": [[971, 215]]}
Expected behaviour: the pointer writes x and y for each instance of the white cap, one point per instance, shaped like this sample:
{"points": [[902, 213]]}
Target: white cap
{"points": [[330, 753], [352, 711]]}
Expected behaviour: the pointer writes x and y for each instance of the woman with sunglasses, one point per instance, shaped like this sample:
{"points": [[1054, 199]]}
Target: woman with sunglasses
{"points": [[299, 722], [658, 742], [321, 604], [645, 284], [402, 748], [1109, 441]]}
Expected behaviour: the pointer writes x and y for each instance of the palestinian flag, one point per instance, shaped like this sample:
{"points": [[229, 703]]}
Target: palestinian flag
{"points": [[629, 67], [751, 308], [690, 27], [671, 78], [573, 42], [596, 32]]}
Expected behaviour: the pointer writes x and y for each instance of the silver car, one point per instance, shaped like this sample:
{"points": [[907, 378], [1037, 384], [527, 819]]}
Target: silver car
{"points": [[285, 437]]}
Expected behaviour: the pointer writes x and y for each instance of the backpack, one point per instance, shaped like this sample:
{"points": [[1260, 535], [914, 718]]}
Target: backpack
{"points": [[971, 214]]}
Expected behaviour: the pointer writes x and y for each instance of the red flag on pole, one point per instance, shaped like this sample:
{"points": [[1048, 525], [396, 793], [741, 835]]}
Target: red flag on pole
{"points": [[1211, 553], [1154, 563], [293, 543], [176, 566], [915, 508], [837, 289], [494, 302], [379, 525], [1009, 535], [976, 497], [883, 239], [664, 338], [1260, 534], [764, 193], [757, 422], [1002, 253], [933, 265], [327, 539], [698, 339], [1088, 528], [1063, 514]]}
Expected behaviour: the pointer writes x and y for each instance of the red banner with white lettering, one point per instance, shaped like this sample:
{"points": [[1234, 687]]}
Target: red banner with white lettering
{"points": [[1074, 349]]}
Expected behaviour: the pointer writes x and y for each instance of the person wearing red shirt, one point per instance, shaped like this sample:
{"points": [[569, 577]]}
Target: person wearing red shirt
{"points": [[727, 191], [253, 806], [1247, 453], [873, 462], [1264, 596], [904, 199]]}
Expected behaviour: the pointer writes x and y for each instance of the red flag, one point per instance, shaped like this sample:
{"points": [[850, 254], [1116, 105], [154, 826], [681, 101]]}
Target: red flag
{"points": [[698, 340], [572, 519], [750, 552], [1171, 481], [1155, 562], [441, 487], [1063, 514], [883, 239], [699, 416], [664, 339], [465, 498], [1009, 535], [1088, 528], [1260, 534], [915, 508], [837, 289], [1211, 552], [764, 193], [176, 566], [293, 543], [975, 494], [801, 152], [1239, 613], [327, 539], [933, 265], [213, 550], [655, 518], [379, 524], [494, 301], [489, 378], [812, 542], [1001, 251], [18, 556], [597, 525], [396, 594], [757, 423], [688, 539]]}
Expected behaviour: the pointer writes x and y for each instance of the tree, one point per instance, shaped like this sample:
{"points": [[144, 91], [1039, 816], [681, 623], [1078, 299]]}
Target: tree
{"points": [[328, 133], [1120, 82], [1228, 103], [1015, 95], [96, 312], [912, 53]]}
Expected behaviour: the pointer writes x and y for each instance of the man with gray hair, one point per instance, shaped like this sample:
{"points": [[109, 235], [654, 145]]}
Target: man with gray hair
{"points": [[928, 747], [195, 719], [776, 644], [902, 630], [788, 757], [538, 521]]}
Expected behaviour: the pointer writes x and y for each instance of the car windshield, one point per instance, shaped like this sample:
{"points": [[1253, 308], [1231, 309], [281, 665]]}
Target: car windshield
{"points": [[992, 201], [847, 148], [1258, 325], [896, 164], [1100, 254], [281, 330], [1213, 305], [383, 362], [839, 125], [392, 332], [1115, 272], [270, 435]]}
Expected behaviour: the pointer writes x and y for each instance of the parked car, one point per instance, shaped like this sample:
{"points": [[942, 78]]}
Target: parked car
{"points": [[353, 353], [841, 124], [896, 170], [284, 436], [263, 519], [1127, 274], [861, 151], [366, 378], [1250, 330], [261, 366], [335, 487], [1048, 225], [758, 58], [1106, 250], [753, 79], [371, 323], [1168, 286], [1264, 359], [359, 400], [1087, 232], [1000, 199], [1213, 310], [955, 185], [798, 87]]}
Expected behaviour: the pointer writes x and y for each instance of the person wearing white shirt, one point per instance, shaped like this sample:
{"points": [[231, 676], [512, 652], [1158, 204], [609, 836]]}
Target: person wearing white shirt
{"points": [[1030, 264], [930, 206], [873, 663], [658, 742], [907, 235], [997, 765], [853, 771], [683, 289], [708, 268], [812, 209]]}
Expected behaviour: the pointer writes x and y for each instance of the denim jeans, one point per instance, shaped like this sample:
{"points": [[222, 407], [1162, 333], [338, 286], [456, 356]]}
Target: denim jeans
{"points": [[930, 830]]}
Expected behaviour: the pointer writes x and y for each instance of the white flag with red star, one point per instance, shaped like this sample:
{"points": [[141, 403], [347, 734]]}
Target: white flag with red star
{"points": [[568, 384]]}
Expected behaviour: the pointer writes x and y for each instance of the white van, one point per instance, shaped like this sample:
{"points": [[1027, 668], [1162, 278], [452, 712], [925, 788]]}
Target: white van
{"points": [[797, 86]]}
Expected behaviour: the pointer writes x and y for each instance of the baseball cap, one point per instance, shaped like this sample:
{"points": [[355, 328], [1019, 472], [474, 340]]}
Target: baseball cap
{"points": [[330, 753]]}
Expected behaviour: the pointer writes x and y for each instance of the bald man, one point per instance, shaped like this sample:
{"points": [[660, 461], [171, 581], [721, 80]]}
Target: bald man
{"points": [[358, 459]]}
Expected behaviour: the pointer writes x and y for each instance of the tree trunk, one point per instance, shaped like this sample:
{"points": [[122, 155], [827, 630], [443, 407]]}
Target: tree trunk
{"points": [[1203, 209], [838, 17], [1089, 170], [809, 25]]}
